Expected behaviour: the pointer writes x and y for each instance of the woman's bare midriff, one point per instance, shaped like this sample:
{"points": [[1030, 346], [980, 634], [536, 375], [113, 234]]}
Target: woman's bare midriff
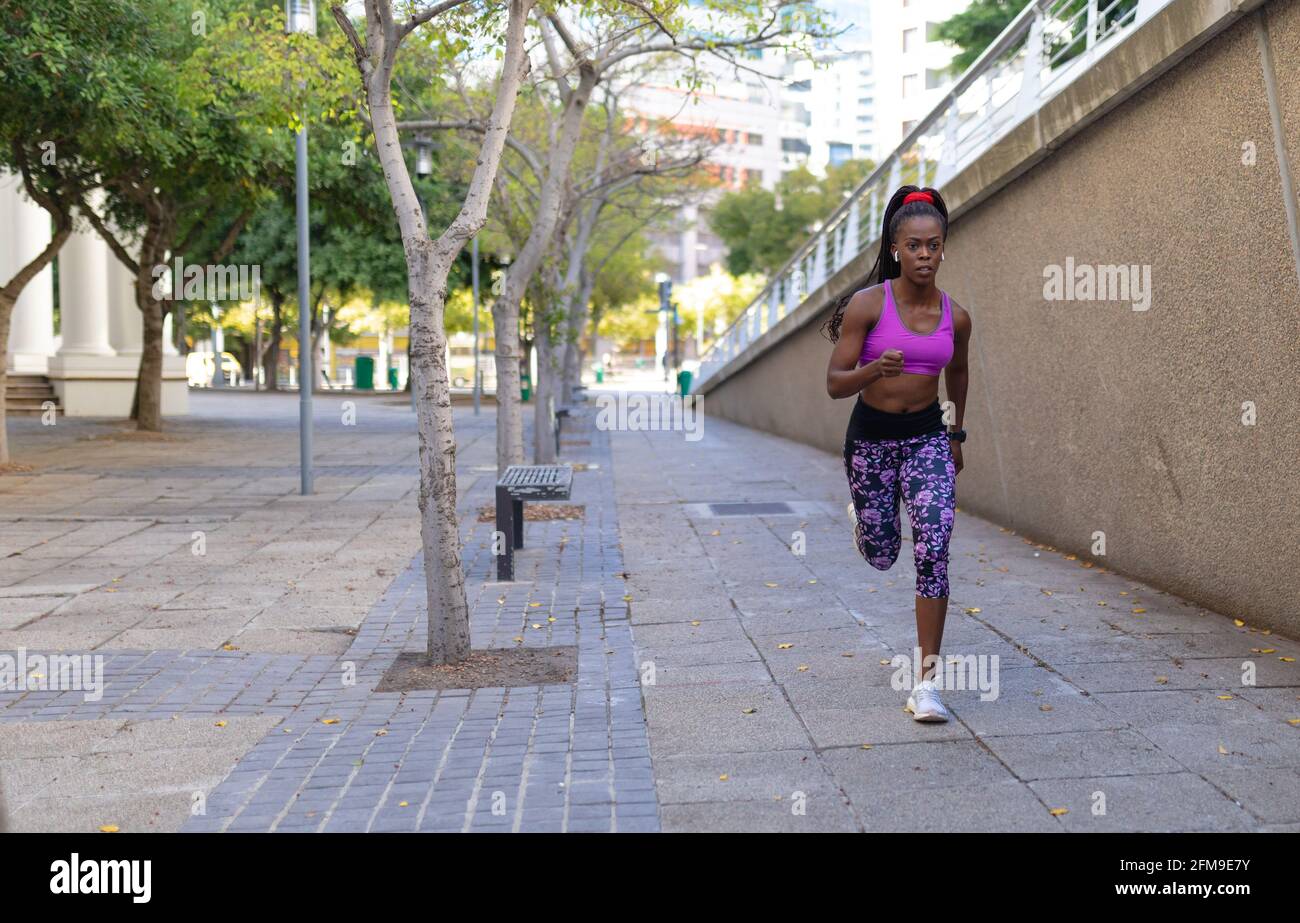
{"points": [[903, 393]]}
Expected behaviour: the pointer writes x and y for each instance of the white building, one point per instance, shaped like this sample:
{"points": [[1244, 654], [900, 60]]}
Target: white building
{"points": [[743, 116], [93, 363], [909, 64]]}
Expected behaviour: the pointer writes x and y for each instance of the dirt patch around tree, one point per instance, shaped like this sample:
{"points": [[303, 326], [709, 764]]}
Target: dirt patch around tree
{"points": [[539, 511], [483, 669]]}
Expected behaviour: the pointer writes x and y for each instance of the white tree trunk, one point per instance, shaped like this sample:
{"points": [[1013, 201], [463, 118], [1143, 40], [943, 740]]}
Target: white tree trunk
{"points": [[505, 312], [428, 265]]}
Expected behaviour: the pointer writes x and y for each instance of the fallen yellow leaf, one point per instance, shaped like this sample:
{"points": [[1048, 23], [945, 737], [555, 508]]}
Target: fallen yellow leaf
{"points": [[400, 804], [329, 720], [724, 777], [785, 646], [109, 828], [1222, 750], [1057, 812], [1162, 679], [973, 609], [1138, 611], [803, 668], [771, 584], [1238, 622], [748, 711], [221, 724]]}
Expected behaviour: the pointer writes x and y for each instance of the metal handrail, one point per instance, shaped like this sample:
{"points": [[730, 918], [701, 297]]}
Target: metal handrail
{"points": [[839, 233]]}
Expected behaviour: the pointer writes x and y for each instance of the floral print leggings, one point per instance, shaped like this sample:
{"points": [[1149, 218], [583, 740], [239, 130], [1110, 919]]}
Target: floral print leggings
{"points": [[920, 469]]}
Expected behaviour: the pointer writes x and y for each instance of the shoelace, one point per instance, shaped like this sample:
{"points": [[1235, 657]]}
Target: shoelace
{"points": [[927, 698]]}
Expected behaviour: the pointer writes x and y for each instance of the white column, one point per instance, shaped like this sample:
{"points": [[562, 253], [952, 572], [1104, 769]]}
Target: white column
{"points": [[125, 322], [83, 295], [169, 337], [25, 229]]}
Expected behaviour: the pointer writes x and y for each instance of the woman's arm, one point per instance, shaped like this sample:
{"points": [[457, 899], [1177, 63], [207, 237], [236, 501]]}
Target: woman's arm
{"points": [[956, 375], [843, 379]]}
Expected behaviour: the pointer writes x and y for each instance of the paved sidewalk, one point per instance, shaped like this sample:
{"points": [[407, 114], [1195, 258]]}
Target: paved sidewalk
{"points": [[229, 699], [772, 707], [725, 681]]}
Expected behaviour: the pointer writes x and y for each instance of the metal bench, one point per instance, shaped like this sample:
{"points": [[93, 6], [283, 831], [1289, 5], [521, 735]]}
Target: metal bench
{"points": [[520, 483]]}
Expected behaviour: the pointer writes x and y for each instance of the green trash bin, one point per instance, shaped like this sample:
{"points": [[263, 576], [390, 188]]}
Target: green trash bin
{"points": [[365, 373], [600, 374], [684, 382], [525, 387], [392, 377]]}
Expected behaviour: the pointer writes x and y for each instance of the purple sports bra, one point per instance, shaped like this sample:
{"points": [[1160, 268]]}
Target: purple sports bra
{"points": [[923, 353]]}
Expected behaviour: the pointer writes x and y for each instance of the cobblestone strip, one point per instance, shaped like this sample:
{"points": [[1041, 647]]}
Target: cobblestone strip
{"points": [[565, 757]]}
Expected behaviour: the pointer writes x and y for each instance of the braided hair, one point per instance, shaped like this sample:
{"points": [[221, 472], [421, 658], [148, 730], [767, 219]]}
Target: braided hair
{"points": [[886, 266]]}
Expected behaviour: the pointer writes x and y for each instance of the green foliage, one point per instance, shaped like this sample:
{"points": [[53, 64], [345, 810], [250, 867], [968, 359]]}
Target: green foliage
{"points": [[975, 28], [759, 235]]}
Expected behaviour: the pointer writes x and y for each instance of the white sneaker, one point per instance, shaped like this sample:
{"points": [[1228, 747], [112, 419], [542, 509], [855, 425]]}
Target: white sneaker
{"points": [[924, 703]]}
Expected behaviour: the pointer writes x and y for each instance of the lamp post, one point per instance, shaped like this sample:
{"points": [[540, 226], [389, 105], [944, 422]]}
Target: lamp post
{"points": [[478, 379], [300, 16]]}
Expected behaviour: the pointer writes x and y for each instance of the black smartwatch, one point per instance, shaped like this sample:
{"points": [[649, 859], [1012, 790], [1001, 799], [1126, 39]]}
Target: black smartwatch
{"points": [[958, 434]]}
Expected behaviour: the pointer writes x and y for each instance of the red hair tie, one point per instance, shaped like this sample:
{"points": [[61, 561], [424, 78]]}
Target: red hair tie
{"points": [[918, 197]]}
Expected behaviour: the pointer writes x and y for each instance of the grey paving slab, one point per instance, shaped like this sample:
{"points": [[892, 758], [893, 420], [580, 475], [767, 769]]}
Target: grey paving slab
{"points": [[1084, 687]]}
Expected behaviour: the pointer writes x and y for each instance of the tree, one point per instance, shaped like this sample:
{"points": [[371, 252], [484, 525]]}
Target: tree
{"points": [[581, 53], [609, 167], [429, 262], [762, 229], [67, 78], [196, 168]]}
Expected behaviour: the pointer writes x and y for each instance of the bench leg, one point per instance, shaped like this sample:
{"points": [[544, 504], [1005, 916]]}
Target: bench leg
{"points": [[506, 526], [519, 523]]}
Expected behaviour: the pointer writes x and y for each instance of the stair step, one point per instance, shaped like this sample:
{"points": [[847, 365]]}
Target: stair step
{"points": [[26, 395]]}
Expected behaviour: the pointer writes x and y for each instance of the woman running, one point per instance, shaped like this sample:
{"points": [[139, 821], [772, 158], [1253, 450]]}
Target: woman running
{"points": [[891, 342]]}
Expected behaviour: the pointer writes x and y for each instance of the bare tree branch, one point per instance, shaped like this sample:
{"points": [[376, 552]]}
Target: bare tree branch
{"points": [[418, 19]]}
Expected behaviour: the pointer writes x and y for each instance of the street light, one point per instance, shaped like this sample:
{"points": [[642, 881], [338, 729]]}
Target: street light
{"points": [[300, 16], [423, 156]]}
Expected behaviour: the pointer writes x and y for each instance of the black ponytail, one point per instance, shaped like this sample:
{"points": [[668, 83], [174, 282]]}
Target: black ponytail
{"points": [[886, 266]]}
